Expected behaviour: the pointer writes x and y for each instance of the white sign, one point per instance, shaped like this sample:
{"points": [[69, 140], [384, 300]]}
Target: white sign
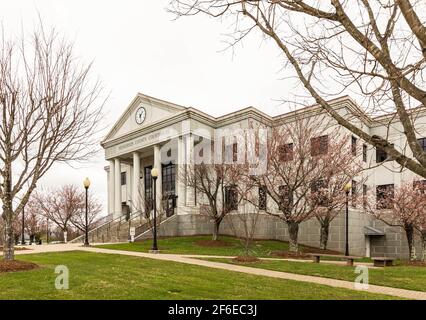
{"points": [[132, 231], [140, 142]]}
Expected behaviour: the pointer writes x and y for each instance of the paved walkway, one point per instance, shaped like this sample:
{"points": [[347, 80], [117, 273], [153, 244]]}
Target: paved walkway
{"points": [[192, 259]]}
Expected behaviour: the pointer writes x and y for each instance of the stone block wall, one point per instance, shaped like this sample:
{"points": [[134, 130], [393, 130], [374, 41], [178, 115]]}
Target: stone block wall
{"points": [[393, 244]]}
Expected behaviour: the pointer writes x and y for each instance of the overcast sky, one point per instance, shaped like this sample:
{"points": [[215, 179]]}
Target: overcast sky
{"points": [[137, 46]]}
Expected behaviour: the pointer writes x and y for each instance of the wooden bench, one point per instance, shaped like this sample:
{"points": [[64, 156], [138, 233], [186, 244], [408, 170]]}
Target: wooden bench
{"points": [[382, 261], [349, 259]]}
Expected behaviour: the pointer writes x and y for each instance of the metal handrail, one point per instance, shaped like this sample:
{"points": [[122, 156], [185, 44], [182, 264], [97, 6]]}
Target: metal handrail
{"points": [[147, 222], [118, 219], [98, 227]]}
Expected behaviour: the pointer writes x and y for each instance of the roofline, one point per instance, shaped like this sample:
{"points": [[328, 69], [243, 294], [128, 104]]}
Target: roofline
{"points": [[161, 101], [146, 97], [229, 118]]}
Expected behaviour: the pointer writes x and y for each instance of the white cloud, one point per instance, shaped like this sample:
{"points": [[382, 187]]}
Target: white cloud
{"points": [[138, 47]]}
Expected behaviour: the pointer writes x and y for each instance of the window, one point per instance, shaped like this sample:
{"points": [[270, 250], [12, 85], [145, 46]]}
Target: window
{"points": [[235, 152], [231, 152], [231, 198], [317, 189], [168, 184], [286, 197], [286, 152], [262, 198], [354, 193], [123, 178], [148, 189], [353, 145], [384, 196], [422, 142], [168, 180], [364, 196], [319, 145], [364, 152], [381, 155]]}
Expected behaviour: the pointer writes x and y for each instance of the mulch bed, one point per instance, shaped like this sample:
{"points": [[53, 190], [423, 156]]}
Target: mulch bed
{"points": [[302, 254], [16, 265], [415, 263], [245, 259], [290, 254], [212, 243], [317, 250], [16, 248]]}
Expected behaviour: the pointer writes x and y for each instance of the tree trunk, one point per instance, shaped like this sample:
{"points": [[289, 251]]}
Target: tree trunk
{"points": [[325, 226], [216, 229], [293, 231], [424, 245], [65, 236], [8, 246], [409, 232]]}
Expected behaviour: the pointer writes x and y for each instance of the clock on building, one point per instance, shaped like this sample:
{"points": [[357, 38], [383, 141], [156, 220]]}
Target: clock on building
{"points": [[140, 115]]}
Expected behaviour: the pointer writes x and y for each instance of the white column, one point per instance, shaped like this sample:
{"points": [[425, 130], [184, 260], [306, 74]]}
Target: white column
{"points": [[136, 188], [117, 188], [129, 186], [190, 196], [157, 164], [111, 194], [180, 178]]}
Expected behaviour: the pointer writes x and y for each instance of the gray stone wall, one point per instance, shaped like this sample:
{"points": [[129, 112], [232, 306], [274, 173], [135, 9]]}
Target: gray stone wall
{"points": [[393, 244]]}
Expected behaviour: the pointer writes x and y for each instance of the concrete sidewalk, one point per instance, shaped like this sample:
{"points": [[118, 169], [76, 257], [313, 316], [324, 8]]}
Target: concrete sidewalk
{"points": [[192, 259]]}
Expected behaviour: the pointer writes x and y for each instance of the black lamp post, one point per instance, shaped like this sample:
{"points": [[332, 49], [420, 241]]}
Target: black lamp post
{"points": [[23, 226], [86, 184], [154, 175], [348, 187]]}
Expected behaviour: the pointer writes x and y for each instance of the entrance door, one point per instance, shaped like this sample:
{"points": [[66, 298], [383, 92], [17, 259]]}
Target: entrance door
{"points": [[367, 247], [169, 188]]}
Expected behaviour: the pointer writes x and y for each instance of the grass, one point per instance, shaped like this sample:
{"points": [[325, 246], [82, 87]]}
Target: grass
{"points": [[190, 245], [399, 276], [108, 276]]}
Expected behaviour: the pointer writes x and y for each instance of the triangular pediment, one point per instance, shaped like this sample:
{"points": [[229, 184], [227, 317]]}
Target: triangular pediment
{"points": [[154, 110]]}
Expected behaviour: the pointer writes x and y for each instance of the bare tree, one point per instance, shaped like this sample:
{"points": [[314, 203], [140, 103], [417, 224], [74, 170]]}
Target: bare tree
{"points": [[420, 224], [143, 207], [297, 158], [50, 112], [374, 49], [33, 220], [94, 208], [211, 182], [340, 165], [400, 207], [243, 226], [60, 205]]}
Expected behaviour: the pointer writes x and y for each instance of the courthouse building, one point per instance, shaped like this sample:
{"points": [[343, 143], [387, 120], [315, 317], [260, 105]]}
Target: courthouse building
{"points": [[156, 133]]}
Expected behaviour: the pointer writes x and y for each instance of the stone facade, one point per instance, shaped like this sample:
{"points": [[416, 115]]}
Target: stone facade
{"points": [[392, 244], [153, 133]]}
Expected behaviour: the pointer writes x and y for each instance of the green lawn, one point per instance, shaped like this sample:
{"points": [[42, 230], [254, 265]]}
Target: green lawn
{"points": [[190, 245], [400, 276], [107, 276]]}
